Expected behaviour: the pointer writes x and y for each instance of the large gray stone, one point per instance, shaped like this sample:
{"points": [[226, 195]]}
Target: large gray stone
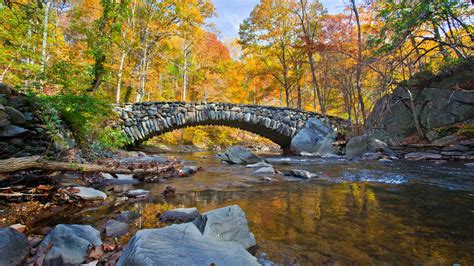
{"points": [[70, 243], [239, 155], [358, 146], [226, 224], [182, 244], [315, 137], [13, 247]]}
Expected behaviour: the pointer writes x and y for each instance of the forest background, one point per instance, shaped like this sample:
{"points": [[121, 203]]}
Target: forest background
{"points": [[79, 57]]}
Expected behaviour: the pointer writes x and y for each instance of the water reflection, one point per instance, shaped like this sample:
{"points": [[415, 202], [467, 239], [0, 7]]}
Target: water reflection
{"points": [[352, 222]]}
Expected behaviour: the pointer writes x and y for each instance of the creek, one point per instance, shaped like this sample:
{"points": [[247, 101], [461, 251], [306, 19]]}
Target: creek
{"points": [[360, 212]]}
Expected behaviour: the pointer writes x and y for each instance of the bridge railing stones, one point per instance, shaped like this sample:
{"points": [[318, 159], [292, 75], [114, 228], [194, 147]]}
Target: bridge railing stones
{"points": [[140, 121]]}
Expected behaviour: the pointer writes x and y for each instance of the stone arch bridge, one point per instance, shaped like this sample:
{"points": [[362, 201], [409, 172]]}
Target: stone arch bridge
{"points": [[141, 121]]}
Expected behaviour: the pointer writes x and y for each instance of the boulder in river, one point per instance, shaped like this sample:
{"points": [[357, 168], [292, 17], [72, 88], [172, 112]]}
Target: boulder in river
{"points": [[239, 155], [226, 224], [360, 145], [180, 214], [70, 243], [188, 170], [301, 174], [13, 247], [315, 138]]}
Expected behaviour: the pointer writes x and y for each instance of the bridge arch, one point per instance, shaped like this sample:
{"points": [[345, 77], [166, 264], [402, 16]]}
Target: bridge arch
{"points": [[142, 121]]}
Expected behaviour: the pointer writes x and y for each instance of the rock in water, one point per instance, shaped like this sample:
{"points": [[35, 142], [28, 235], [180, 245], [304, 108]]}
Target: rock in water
{"points": [[259, 165], [70, 243], [226, 224], [315, 138], [302, 174], [114, 228], [182, 244], [13, 247], [138, 193], [89, 193], [265, 171], [360, 145], [239, 155], [127, 216], [180, 214]]}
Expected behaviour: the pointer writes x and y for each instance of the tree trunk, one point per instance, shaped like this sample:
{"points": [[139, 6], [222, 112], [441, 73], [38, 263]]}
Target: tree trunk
{"points": [[37, 162], [119, 74], [44, 45], [359, 62], [315, 83], [416, 119]]}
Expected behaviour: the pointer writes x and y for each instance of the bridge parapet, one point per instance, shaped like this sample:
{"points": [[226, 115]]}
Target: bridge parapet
{"points": [[141, 121]]}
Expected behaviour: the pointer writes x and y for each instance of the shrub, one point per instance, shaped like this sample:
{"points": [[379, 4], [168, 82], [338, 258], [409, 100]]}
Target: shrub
{"points": [[89, 118]]}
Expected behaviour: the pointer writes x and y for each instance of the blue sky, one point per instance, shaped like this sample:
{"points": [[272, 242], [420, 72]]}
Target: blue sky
{"points": [[230, 14]]}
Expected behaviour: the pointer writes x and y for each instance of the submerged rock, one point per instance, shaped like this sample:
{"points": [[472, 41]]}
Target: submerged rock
{"points": [[114, 228], [13, 247], [226, 224], [127, 216], [188, 170], [70, 243], [90, 193], [265, 171], [180, 214], [315, 138], [301, 174], [239, 155], [259, 165]]}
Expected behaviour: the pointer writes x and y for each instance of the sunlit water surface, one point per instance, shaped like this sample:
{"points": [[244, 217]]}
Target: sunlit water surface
{"points": [[362, 212]]}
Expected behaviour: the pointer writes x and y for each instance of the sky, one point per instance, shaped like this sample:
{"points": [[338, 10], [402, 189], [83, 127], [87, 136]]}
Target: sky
{"points": [[230, 13]]}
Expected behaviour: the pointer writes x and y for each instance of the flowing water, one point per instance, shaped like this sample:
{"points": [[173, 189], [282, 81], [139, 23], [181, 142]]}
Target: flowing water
{"points": [[360, 212]]}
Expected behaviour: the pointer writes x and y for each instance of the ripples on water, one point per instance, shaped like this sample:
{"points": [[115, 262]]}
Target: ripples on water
{"points": [[362, 212]]}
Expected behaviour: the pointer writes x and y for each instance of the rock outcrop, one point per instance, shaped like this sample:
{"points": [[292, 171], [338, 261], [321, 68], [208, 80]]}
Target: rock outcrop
{"points": [[440, 101], [22, 133]]}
